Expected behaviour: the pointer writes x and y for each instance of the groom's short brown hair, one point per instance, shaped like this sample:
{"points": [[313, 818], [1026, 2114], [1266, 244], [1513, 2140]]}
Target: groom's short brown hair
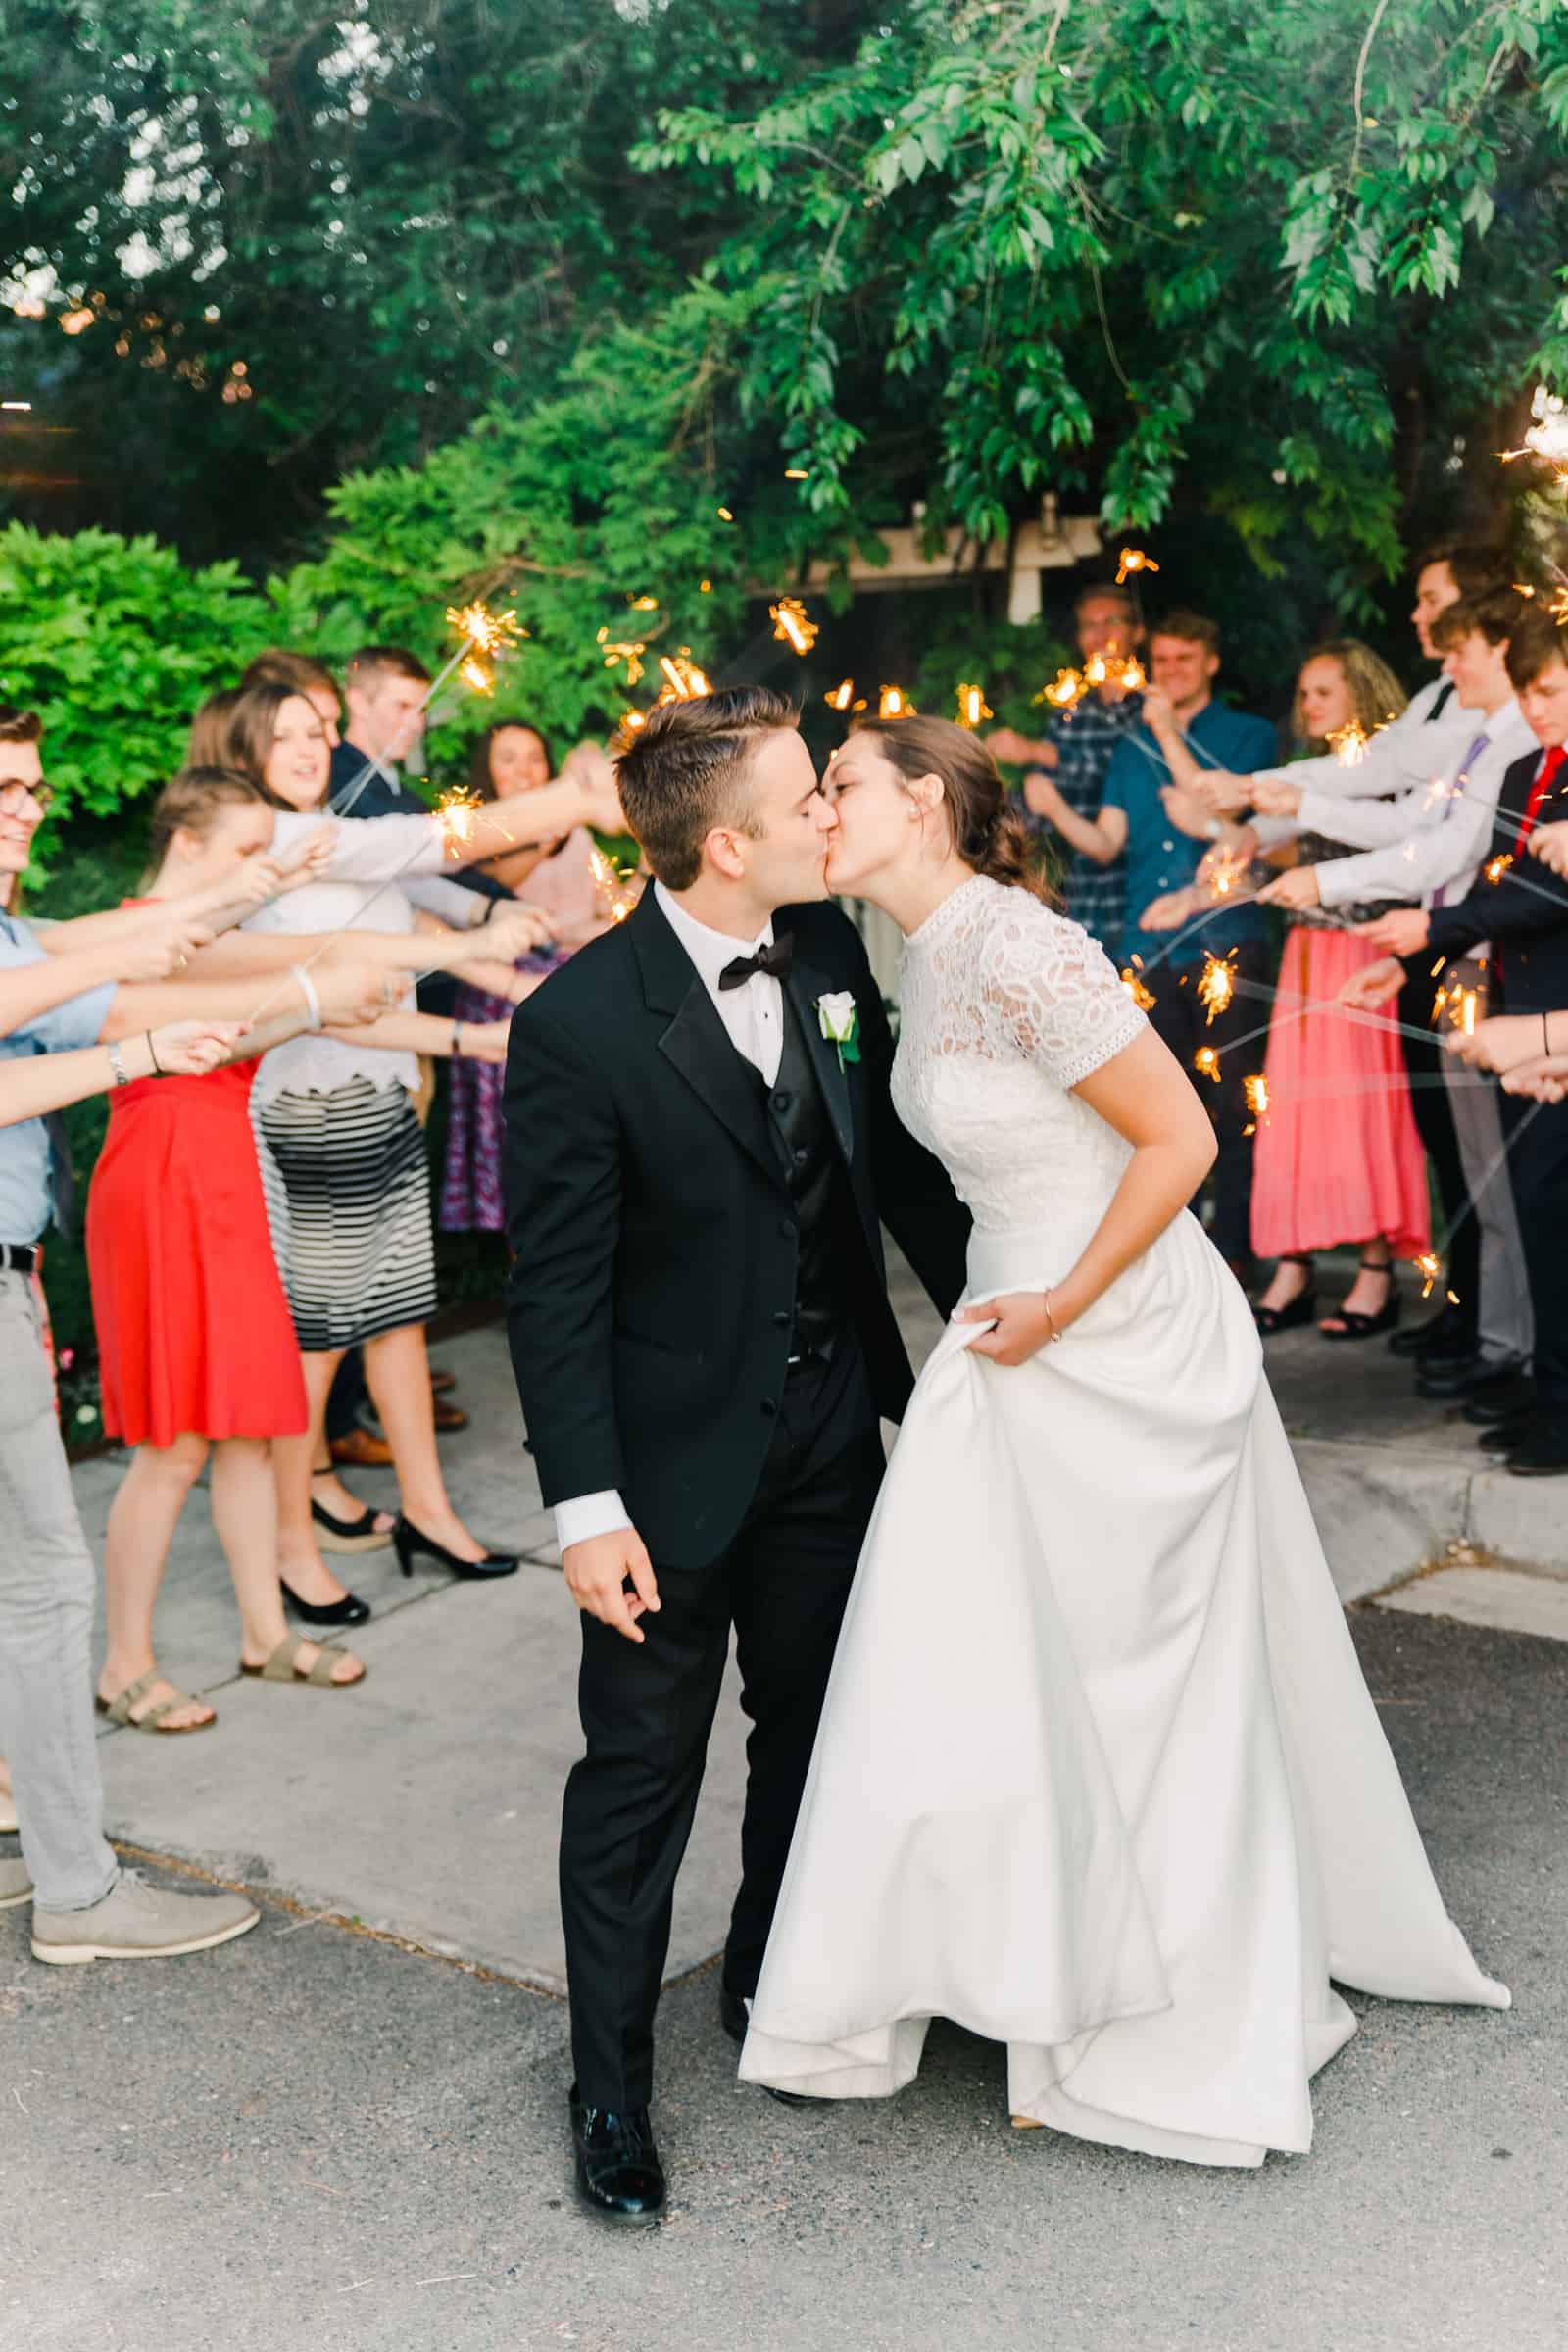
{"points": [[686, 773]]}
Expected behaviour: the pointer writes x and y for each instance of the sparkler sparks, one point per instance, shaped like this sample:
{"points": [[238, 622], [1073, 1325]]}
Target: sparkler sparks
{"points": [[972, 706], [894, 703], [1227, 872], [487, 632], [1257, 1095], [1349, 743], [684, 682], [1065, 689], [473, 673], [1132, 677], [1133, 558], [842, 696], [1430, 1269], [459, 812], [1205, 1061], [1216, 989], [1141, 997], [1497, 867], [792, 626], [618, 887], [628, 649]]}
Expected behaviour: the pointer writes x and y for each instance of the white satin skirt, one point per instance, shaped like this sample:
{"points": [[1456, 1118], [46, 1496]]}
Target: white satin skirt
{"points": [[1098, 1775]]}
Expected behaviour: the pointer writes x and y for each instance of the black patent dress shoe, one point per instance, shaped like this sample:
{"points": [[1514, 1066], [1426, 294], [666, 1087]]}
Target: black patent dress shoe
{"points": [[1450, 1332], [1542, 1450], [734, 2017], [350, 1610], [411, 1544], [1442, 1377], [1502, 1437], [1498, 1395], [618, 2173]]}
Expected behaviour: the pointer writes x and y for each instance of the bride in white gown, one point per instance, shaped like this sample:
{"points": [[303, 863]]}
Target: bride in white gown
{"points": [[1098, 1775]]}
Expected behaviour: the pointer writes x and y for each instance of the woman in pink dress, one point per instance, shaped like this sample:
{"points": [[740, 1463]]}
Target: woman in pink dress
{"points": [[512, 758], [1337, 1155]]}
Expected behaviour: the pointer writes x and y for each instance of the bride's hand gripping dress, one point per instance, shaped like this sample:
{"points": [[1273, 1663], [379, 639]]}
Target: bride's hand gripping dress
{"points": [[1098, 1775]]}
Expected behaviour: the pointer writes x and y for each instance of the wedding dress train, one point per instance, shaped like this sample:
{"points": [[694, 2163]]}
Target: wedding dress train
{"points": [[1098, 1775]]}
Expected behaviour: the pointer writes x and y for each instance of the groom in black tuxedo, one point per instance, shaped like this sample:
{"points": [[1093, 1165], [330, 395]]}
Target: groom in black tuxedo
{"points": [[700, 1148]]}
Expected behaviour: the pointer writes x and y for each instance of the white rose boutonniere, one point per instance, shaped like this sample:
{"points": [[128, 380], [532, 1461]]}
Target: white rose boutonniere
{"points": [[841, 1024]]}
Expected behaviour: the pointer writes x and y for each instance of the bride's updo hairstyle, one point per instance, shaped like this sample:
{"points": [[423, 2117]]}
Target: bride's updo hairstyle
{"points": [[987, 831]]}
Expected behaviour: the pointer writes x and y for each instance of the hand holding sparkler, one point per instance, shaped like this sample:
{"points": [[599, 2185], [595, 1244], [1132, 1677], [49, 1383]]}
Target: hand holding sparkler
{"points": [[1509, 1041], [510, 932], [1188, 811], [1276, 799], [1546, 1080], [1374, 985], [1549, 843], [194, 1049], [1159, 715], [1403, 932], [1297, 890], [1020, 751]]}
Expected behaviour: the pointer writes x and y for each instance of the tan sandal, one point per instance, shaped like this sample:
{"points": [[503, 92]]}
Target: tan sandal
{"points": [[283, 1665], [151, 1719]]}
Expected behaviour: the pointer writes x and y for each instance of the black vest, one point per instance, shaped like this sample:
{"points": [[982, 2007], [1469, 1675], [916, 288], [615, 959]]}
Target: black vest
{"points": [[803, 1137]]}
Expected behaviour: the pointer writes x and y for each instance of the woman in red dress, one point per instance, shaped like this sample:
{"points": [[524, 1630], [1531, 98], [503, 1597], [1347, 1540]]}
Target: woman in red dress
{"points": [[197, 1349]]}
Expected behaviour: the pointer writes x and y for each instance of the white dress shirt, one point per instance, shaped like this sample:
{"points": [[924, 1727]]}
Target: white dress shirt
{"points": [[1408, 755], [753, 1017], [1427, 840]]}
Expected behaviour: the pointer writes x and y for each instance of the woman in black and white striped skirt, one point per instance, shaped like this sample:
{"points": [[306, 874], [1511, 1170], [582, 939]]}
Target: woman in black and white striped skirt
{"points": [[342, 1152]]}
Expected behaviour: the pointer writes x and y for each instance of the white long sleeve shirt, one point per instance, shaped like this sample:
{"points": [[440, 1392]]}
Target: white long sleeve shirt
{"points": [[753, 1017], [1425, 742], [1427, 840]]}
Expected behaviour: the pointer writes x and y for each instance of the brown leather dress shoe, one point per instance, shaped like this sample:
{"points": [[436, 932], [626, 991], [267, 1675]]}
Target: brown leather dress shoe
{"points": [[449, 1416], [363, 1450]]}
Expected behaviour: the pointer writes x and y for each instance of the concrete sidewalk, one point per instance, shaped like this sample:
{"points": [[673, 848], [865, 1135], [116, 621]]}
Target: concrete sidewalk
{"points": [[425, 1803]]}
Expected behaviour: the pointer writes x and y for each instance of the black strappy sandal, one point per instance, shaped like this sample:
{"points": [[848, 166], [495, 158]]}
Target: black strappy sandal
{"points": [[1367, 1327], [1301, 1309]]}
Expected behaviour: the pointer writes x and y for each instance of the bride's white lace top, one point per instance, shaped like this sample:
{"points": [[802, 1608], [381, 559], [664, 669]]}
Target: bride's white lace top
{"points": [[1006, 1007]]}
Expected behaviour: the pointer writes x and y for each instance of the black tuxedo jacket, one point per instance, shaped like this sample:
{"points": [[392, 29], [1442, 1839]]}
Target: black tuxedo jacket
{"points": [[1526, 918], [649, 1299]]}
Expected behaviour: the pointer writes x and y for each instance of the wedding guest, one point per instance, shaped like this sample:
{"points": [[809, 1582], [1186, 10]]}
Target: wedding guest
{"points": [[199, 1365], [509, 758], [1337, 1157], [343, 1156], [303, 675], [1073, 757], [1427, 844], [1524, 917], [1135, 823]]}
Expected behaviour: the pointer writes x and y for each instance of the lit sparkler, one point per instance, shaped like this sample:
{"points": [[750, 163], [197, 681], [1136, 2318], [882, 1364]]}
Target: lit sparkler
{"points": [[486, 632], [629, 650], [1132, 677], [972, 706], [842, 696], [459, 812], [1227, 872], [1547, 436], [894, 703], [1257, 1095], [1205, 1061], [1216, 989], [792, 626], [1096, 671], [1133, 558], [1497, 867], [1430, 1269], [1141, 997], [684, 682], [1065, 689], [473, 673], [618, 887], [1349, 743]]}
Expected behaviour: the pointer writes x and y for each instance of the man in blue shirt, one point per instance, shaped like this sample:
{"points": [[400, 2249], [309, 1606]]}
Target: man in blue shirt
{"points": [[85, 1906], [1136, 823]]}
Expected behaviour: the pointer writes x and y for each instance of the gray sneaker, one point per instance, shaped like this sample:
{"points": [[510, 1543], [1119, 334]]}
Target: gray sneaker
{"points": [[15, 1885], [138, 1922]]}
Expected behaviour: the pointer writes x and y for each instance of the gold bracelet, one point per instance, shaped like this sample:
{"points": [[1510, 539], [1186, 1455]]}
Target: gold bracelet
{"points": [[1055, 1333]]}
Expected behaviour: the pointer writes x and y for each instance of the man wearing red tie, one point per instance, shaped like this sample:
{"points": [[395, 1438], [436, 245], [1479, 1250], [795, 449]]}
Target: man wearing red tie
{"points": [[1521, 905]]}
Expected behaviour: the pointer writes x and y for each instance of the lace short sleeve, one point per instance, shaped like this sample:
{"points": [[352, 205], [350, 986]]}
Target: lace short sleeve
{"points": [[1052, 991]]}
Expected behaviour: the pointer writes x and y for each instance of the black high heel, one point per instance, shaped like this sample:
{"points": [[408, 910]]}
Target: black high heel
{"points": [[1301, 1309], [1367, 1327], [350, 1610], [410, 1544]]}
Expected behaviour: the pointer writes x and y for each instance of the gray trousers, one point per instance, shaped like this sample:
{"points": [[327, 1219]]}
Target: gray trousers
{"points": [[46, 1597], [1505, 1324]]}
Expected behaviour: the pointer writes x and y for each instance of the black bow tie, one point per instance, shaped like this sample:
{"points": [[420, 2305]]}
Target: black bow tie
{"points": [[775, 957]]}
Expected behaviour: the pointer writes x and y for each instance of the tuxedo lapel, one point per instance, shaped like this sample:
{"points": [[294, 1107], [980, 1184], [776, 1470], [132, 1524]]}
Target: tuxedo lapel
{"points": [[696, 1041], [805, 985]]}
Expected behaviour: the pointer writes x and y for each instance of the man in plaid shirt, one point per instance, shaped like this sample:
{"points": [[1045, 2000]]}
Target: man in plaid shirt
{"points": [[1077, 752]]}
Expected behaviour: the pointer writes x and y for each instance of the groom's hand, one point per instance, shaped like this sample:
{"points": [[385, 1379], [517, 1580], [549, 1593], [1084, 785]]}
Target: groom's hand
{"points": [[598, 1573]]}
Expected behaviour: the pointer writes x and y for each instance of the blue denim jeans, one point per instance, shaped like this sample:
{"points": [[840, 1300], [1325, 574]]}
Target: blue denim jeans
{"points": [[46, 1596]]}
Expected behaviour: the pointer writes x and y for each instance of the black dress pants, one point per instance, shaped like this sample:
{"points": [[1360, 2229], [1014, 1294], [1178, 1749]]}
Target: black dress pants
{"points": [[1424, 1063], [1537, 1169], [1182, 1020], [646, 1710]]}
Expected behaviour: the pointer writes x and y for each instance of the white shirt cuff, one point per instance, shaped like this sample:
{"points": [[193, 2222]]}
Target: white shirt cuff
{"points": [[588, 1515]]}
